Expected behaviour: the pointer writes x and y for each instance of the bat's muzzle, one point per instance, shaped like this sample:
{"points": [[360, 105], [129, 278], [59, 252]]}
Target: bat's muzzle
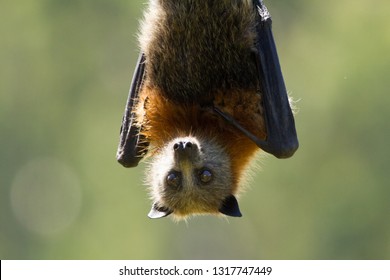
{"points": [[185, 150]]}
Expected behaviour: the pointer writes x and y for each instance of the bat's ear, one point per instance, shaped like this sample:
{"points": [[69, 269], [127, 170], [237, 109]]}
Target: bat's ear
{"points": [[159, 212], [230, 207]]}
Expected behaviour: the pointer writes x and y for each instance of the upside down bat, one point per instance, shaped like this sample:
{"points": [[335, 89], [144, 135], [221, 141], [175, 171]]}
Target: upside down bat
{"points": [[207, 93]]}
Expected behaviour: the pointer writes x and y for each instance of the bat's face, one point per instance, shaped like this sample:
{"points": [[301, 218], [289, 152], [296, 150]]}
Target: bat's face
{"points": [[191, 176]]}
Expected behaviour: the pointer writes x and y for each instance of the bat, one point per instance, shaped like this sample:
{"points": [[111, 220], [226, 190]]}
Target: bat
{"points": [[207, 95]]}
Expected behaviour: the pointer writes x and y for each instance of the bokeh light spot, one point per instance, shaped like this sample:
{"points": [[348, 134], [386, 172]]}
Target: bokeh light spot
{"points": [[46, 196]]}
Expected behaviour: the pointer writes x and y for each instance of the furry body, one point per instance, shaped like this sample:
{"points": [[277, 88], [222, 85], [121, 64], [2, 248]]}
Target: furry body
{"points": [[196, 47], [198, 56]]}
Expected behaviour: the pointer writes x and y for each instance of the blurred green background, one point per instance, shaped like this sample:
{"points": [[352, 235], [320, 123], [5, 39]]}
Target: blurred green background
{"points": [[65, 69]]}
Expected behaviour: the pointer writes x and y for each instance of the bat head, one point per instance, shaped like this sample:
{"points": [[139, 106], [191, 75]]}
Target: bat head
{"points": [[191, 176]]}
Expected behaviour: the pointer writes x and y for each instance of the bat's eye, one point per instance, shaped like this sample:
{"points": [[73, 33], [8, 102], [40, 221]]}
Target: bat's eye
{"points": [[206, 176], [173, 179]]}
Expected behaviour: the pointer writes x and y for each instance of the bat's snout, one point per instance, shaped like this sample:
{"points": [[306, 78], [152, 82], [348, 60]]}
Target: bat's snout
{"points": [[185, 150], [184, 146]]}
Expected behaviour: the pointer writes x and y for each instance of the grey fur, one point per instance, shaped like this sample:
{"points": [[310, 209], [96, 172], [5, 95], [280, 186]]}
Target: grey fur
{"points": [[194, 47]]}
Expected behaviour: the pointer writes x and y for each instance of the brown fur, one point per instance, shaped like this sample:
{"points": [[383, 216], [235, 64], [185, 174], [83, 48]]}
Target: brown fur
{"points": [[196, 47], [164, 120]]}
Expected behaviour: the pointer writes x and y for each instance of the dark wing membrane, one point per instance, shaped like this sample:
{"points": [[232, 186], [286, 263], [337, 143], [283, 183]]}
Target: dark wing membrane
{"points": [[132, 147], [282, 138]]}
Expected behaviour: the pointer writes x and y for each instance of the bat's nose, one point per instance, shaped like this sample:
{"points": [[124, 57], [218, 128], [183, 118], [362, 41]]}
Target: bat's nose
{"points": [[182, 146], [185, 150]]}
